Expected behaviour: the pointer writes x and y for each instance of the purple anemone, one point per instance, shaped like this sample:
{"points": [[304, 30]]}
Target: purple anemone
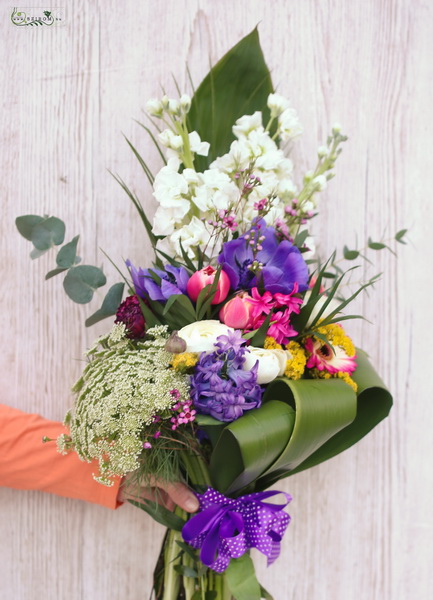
{"points": [[281, 263], [173, 282]]}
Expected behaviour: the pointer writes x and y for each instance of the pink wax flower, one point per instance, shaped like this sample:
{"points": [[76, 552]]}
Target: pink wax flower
{"points": [[237, 312], [200, 279]]}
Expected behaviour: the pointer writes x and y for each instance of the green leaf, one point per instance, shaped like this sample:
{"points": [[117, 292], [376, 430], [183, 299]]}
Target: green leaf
{"points": [[185, 571], [81, 282], [400, 235], [67, 254], [242, 580], [375, 245], [54, 272], [300, 238], [47, 233], [188, 549], [109, 306], [160, 514], [239, 84], [26, 223], [183, 305], [265, 594], [259, 337], [350, 254]]}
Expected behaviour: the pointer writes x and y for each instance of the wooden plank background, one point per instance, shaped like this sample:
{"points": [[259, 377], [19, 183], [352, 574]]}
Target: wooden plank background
{"points": [[362, 526]]}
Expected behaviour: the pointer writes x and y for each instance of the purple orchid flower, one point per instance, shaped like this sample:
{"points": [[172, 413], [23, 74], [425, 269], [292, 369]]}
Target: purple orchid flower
{"points": [[281, 262], [173, 282]]}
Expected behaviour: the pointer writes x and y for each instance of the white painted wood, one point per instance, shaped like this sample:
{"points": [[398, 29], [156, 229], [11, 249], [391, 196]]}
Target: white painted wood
{"points": [[362, 526]]}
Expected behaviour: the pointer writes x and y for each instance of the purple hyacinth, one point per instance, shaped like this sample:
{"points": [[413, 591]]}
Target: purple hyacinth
{"points": [[173, 282], [220, 387], [281, 263]]}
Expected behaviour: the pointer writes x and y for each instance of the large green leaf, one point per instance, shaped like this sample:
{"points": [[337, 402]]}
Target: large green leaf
{"points": [[249, 445], [239, 84]]}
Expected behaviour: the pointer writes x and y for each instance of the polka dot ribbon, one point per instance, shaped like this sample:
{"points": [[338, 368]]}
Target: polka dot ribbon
{"points": [[226, 528]]}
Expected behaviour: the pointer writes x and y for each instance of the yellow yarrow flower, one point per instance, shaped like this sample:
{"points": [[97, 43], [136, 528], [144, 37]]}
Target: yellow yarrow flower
{"points": [[184, 362], [295, 366], [271, 344]]}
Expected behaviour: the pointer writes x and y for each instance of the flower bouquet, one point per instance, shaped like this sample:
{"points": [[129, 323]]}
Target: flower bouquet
{"points": [[227, 366]]}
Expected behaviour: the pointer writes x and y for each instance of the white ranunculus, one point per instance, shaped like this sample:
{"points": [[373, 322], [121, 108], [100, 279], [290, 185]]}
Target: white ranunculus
{"points": [[333, 305], [202, 335], [154, 107], [272, 363]]}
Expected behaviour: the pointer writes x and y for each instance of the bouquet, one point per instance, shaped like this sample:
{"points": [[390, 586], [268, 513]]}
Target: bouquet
{"points": [[227, 365]]}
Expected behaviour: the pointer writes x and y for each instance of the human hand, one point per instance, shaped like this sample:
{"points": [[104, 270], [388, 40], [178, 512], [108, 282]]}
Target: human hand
{"points": [[167, 494]]}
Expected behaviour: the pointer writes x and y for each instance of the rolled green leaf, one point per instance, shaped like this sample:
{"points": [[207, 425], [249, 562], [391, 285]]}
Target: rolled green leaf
{"points": [[374, 402], [248, 446], [300, 424]]}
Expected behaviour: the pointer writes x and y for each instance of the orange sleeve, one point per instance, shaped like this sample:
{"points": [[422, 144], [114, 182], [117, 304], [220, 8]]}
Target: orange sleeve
{"points": [[26, 463]]}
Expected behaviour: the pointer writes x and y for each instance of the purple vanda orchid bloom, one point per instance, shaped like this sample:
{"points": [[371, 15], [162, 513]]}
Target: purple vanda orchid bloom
{"points": [[283, 265], [173, 282]]}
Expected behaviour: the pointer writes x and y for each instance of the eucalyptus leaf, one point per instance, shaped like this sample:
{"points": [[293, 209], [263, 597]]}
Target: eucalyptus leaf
{"points": [[47, 233], [67, 254], [109, 306], [81, 282], [26, 223], [54, 272], [185, 571]]}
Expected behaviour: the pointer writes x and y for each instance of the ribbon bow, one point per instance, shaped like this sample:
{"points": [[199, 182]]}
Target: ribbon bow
{"points": [[226, 528]]}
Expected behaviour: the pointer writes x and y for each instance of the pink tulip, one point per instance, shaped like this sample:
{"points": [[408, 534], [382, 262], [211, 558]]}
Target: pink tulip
{"points": [[237, 312], [200, 279]]}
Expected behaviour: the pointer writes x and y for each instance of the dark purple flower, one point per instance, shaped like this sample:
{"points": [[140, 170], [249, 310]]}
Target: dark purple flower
{"points": [[220, 387], [281, 267], [173, 281], [129, 313]]}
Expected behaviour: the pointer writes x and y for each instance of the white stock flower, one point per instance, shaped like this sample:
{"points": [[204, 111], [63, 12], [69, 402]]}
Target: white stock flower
{"points": [[185, 103], [272, 363], [170, 140], [154, 107], [202, 335], [194, 233], [216, 191], [277, 104], [289, 125], [197, 146], [321, 182], [248, 123]]}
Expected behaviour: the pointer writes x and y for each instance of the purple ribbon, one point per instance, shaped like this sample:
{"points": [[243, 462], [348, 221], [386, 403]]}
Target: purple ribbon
{"points": [[226, 528]]}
